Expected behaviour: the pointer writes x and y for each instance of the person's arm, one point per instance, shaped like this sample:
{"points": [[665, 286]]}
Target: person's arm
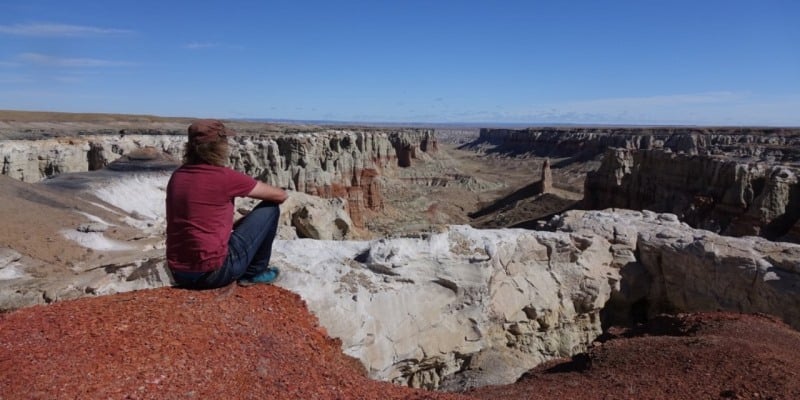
{"points": [[263, 191]]}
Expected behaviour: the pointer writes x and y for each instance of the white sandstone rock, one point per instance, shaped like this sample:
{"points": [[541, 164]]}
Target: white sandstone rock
{"points": [[684, 269], [405, 307]]}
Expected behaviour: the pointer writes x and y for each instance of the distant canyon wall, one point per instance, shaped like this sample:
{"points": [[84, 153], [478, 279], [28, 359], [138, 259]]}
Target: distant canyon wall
{"points": [[734, 181], [331, 163], [773, 144], [718, 194]]}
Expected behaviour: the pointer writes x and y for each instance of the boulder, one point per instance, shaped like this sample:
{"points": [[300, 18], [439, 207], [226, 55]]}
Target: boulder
{"points": [[433, 311], [312, 217], [666, 266]]}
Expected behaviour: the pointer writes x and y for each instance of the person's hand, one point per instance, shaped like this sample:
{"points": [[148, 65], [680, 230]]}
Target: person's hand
{"points": [[263, 191]]}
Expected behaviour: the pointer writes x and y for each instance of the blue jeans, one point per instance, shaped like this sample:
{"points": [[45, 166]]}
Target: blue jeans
{"points": [[249, 250]]}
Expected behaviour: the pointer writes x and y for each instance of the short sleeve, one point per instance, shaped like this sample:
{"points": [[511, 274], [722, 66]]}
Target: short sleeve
{"points": [[239, 184]]}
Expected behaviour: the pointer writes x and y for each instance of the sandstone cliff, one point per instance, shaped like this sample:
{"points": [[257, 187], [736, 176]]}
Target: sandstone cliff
{"points": [[329, 163], [665, 266], [735, 181], [715, 193], [777, 144]]}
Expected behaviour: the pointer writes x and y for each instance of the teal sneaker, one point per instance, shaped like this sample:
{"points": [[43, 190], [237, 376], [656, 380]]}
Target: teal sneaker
{"points": [[266, 277]]}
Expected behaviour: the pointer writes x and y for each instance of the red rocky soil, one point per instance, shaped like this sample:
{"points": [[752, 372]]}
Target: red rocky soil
{"points": [[261, 342], [232, 343], [696, 356]]}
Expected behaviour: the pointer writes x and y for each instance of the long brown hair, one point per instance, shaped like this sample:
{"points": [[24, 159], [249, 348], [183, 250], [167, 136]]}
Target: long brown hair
{"points": [[214, 153]]}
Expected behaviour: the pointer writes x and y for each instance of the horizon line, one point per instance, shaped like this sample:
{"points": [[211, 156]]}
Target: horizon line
{"points": [[417, 124]]}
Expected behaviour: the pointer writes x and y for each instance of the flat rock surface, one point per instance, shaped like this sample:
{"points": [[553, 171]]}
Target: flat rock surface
{"points": [[261, 342]]}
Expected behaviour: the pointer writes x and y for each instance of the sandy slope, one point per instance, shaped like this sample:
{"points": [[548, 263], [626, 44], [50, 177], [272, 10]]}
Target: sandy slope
{"points": [[34, 215]]}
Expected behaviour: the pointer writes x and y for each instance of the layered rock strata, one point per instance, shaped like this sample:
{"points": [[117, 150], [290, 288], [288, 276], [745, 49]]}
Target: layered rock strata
{"points": [[775, 144], [334, 163], [665, 266], [35, 160], [714, 193]]}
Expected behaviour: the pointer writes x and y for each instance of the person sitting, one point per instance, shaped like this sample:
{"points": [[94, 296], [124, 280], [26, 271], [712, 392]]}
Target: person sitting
{"points": [[205, 249]]}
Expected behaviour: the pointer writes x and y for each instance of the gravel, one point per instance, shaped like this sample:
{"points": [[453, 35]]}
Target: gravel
{"points": [[261, 342]]}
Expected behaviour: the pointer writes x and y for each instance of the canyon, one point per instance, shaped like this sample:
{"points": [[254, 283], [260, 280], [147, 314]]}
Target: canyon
{"points": [[630, 223], [735, 181]]}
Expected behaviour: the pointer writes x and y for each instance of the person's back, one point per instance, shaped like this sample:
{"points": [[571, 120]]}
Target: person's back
{"points": [[200, 214], [203, 249]]}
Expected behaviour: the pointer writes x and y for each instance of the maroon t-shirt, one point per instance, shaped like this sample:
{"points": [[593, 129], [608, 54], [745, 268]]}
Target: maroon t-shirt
{"points": [[200, 215]]}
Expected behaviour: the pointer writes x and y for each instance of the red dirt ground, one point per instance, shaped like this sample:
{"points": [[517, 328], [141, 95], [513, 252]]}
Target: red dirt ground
{"points": [[261, 342], [692, 356]]}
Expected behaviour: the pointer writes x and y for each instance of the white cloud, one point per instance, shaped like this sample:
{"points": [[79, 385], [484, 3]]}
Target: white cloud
{"points": [[34, 94], [663, 100], [688, 108], [201, 45], [68, 79], [15, 79], [60, 30], [703, 108], [51, 61]]}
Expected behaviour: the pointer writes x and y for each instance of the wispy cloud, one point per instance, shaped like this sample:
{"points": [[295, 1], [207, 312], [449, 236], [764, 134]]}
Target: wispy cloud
{"points": [[15, 79], [68, 79], [60, 30], [705, 108], [201, 45], [25, 79], [52, 61], [662, 100], [675, 108], [211, 45]]}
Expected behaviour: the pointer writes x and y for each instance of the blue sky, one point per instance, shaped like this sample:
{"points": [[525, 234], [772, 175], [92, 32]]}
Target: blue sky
{"points": [[706, 62]]}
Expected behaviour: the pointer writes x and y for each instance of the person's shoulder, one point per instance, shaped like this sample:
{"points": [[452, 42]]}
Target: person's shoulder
{"points": [[194, 171], [231, 171], [210, 169], [201, 167]]}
